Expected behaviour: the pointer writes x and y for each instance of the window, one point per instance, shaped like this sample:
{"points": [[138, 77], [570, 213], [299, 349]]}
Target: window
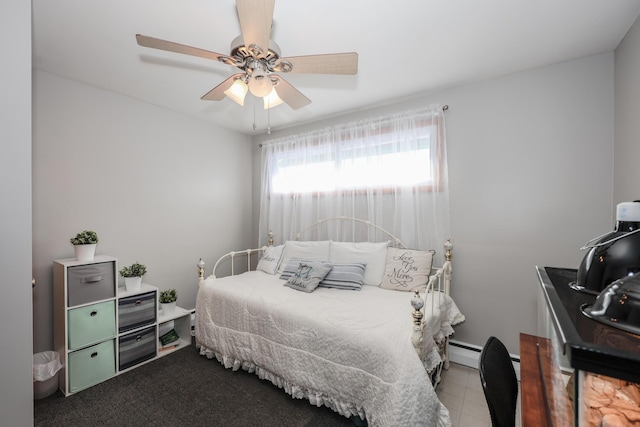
{"points": [[390, 171], [356, 165]]}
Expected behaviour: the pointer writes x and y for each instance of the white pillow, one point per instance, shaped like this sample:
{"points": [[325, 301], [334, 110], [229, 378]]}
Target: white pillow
{"points": [[407, 269], [306, 250], [270, 260], [373, 255]]}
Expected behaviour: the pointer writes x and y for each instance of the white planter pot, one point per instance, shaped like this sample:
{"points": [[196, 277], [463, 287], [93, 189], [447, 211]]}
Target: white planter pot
{"points": [[168, 308], [132, 284], [85, 252]]}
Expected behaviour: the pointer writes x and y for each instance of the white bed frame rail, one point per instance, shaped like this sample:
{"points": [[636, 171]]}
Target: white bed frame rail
{"points": [[439, 282], [438, 286], [232, 256]]}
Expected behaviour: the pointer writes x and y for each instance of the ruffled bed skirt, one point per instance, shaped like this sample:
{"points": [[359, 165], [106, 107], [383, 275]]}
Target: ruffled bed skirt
{"points": [[315, 398], [345, 409]]}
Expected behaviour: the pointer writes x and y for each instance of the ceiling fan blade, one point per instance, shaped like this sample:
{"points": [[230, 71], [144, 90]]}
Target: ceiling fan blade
{"points": [[256, 17], [290, 94], [155, 43], [217, 93], [332, 63]]}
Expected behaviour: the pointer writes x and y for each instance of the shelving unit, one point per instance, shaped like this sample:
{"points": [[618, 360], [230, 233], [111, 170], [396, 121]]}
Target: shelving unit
{"points": [[180, 320], [102, 330], [85, 321]]}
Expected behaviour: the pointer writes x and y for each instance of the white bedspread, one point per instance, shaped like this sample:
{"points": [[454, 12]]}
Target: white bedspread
{"points": [[348, 350]]}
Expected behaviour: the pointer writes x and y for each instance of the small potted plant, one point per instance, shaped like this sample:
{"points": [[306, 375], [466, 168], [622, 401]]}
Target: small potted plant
{"points": [[168, 300], [84, 245], [133, 276]]}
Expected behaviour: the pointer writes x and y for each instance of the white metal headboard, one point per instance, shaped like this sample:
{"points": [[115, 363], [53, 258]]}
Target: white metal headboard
{"points": [[343, 221]]}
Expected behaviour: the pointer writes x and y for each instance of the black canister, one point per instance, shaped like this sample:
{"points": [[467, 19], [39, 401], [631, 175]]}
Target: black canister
{"points": [[618, 305], [614, 255]]}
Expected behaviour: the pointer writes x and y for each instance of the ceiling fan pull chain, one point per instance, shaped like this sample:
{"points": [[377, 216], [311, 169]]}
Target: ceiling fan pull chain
{"points": [[254, 113], [268, 116]]}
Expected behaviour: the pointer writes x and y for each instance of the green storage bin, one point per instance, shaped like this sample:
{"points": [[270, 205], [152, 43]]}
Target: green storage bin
{"points": [[91, 365], [91, 324]]}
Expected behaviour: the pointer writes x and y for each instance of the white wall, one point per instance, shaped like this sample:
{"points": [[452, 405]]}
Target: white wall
{"points": [[158, 187], [16, 389], [530, 154], [531, 179], [627, 115], [530, 164]]}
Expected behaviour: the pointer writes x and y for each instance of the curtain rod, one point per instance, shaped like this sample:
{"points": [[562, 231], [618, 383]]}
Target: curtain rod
{"points": [[444, 108]]}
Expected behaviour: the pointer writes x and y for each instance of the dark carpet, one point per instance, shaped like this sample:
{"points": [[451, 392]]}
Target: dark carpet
{"points": [[183, 389]]}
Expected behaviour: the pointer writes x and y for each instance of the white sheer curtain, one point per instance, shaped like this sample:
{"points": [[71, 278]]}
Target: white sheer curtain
{"points": [[391, 171]]}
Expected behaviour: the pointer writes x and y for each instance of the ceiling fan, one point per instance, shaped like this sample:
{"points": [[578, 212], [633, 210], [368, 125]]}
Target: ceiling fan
{"points": [[258, 58]]}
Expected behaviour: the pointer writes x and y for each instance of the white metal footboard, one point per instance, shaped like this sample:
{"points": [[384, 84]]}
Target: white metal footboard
{"points": [[438, 286]]}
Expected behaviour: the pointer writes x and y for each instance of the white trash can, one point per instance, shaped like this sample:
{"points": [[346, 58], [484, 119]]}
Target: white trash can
{"points": [[46, 366]]}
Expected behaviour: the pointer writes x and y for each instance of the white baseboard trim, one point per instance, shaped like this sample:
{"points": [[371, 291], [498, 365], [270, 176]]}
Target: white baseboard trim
{"points": [[469, 355], [464, 354]]}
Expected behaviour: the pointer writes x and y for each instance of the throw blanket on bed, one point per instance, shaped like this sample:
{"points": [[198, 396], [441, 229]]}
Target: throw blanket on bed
{"points": [[348, 350]]}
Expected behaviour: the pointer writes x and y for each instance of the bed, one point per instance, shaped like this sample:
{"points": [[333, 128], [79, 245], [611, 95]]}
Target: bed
{"points": [[360, 327]]}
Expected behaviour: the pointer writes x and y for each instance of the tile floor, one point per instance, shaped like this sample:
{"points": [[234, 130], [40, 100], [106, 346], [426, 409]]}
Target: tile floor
{"points": [[461, 392]]}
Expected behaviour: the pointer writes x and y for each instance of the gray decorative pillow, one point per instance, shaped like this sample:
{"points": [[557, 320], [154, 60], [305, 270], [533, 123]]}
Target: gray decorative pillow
{"points": [[292, 265], [407, 269], [345, 276], [308, 275]]}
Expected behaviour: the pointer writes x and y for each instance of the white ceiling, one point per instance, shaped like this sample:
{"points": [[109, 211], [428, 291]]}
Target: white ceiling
{"points": [[405, 47]]}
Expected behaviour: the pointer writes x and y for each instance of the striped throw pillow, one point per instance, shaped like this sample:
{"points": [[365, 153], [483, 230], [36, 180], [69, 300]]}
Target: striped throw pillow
{"points": [[345, 276]]}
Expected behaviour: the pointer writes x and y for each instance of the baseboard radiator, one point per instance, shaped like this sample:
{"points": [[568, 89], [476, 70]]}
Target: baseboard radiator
{"points": [[469, 355]]}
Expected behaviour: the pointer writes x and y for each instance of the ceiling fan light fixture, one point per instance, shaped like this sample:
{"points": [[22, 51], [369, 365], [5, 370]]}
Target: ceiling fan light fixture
{"points": [[272, 100], [237, 91], [260, 84], [258, 58]]}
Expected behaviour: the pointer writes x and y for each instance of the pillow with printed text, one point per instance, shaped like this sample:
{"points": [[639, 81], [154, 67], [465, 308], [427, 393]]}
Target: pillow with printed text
{"points": [[270, 260], [407, 269], [308, 275]]}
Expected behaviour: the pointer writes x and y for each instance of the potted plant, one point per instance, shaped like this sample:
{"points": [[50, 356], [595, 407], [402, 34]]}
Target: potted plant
{"points": [[168, 300], [133, 276], [84, 245]]}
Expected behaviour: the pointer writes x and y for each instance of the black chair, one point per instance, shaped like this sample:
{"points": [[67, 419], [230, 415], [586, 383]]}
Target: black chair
{"points": [[499, 383]]}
